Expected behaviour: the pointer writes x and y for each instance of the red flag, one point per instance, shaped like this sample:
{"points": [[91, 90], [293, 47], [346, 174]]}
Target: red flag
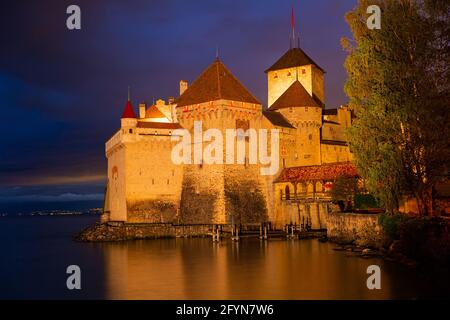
{"points": [[292, 20]]}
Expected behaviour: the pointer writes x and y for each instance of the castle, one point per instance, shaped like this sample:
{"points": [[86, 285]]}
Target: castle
{"points": [[145, 186]]}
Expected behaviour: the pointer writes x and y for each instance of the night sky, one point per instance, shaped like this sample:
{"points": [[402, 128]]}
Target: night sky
{"points": [[62, 92]]}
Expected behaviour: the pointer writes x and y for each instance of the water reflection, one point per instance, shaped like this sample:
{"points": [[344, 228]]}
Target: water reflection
{"points": [[251, 269]]}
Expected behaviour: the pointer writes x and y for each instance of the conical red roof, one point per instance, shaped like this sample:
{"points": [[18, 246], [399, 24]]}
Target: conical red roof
{"points": [[128, 112]]}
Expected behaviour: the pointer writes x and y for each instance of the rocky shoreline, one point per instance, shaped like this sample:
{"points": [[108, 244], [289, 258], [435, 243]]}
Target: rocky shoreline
{"points": [[392, 254], [110, 232]]}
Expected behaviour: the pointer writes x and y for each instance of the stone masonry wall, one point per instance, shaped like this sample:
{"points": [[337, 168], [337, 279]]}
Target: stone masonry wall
{"points": [[361, 229]]}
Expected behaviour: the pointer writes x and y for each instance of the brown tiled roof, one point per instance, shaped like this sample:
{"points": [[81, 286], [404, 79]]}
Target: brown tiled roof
{"points": [[330, 171], [277, 119], [153, 112], [294, 57], [295, 96], [215, 83], [158, 125]]}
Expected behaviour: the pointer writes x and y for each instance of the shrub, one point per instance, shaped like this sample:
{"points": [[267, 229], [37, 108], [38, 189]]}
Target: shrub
{"points": [[425, 239], [365, 201], [390, 224]]}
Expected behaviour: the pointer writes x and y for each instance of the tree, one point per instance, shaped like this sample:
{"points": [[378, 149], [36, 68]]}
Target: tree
{"points": [[398, 86]]}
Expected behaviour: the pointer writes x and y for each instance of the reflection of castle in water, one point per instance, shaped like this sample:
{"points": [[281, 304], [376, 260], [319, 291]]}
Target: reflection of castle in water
{"points": [[199, 269]]}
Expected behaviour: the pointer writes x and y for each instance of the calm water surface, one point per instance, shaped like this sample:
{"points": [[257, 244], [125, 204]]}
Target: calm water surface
{"points": [[37, 250]]}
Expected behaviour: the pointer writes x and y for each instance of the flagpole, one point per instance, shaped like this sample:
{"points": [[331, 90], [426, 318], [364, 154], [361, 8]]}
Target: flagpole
{"points": [[292, 26]]}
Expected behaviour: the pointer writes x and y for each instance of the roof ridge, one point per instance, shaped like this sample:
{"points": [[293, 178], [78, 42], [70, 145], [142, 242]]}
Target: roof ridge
{"points": [[228, 87], [294, 57], [290, 95], [218, 78], [232, 75], [195, 81]]}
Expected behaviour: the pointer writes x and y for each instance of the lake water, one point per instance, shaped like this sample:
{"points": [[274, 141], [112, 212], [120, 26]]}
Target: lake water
{"points": [[35, 252]]}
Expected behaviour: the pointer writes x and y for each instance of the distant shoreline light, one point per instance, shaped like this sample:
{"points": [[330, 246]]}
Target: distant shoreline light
{"points": [[64, 197]]}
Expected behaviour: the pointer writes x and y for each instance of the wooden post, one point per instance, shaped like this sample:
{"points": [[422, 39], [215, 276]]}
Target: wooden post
{"points": [[314, 189]]}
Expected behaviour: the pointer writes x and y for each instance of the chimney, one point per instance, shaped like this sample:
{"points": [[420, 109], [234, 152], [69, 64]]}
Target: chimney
{"points": [[142, 109], [171, 100], [183, 86]]}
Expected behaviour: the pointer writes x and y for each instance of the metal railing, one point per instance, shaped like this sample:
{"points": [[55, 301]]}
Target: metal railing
{"points": [[306, 196]]}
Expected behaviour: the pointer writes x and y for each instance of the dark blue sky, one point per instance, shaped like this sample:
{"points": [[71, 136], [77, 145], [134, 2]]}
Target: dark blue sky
{"points": [[63, 91]]}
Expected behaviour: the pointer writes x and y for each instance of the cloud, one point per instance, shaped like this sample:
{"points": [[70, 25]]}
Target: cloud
{"points": [[63, 91]]}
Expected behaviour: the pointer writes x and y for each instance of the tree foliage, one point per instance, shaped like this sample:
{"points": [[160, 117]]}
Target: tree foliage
{"points": [[398, 86]]}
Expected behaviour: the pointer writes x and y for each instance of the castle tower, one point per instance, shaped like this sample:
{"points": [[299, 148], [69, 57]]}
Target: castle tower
{"points": [[295, 64], [115, 200], [305, 114], [219, 192], [128, 120]]}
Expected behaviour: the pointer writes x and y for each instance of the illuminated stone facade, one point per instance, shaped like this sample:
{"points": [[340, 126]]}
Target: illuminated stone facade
{"points": [[145, 186]]}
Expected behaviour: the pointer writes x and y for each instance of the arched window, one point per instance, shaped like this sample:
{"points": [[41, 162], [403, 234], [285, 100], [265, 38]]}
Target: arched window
{"points": [[288, 195]]}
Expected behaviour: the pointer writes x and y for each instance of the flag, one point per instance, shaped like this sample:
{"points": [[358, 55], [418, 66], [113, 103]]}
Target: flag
{"points": [[292, 19]]}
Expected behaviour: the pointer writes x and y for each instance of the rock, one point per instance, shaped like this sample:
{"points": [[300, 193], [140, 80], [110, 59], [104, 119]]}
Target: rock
{"points": [[395, 246]]}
